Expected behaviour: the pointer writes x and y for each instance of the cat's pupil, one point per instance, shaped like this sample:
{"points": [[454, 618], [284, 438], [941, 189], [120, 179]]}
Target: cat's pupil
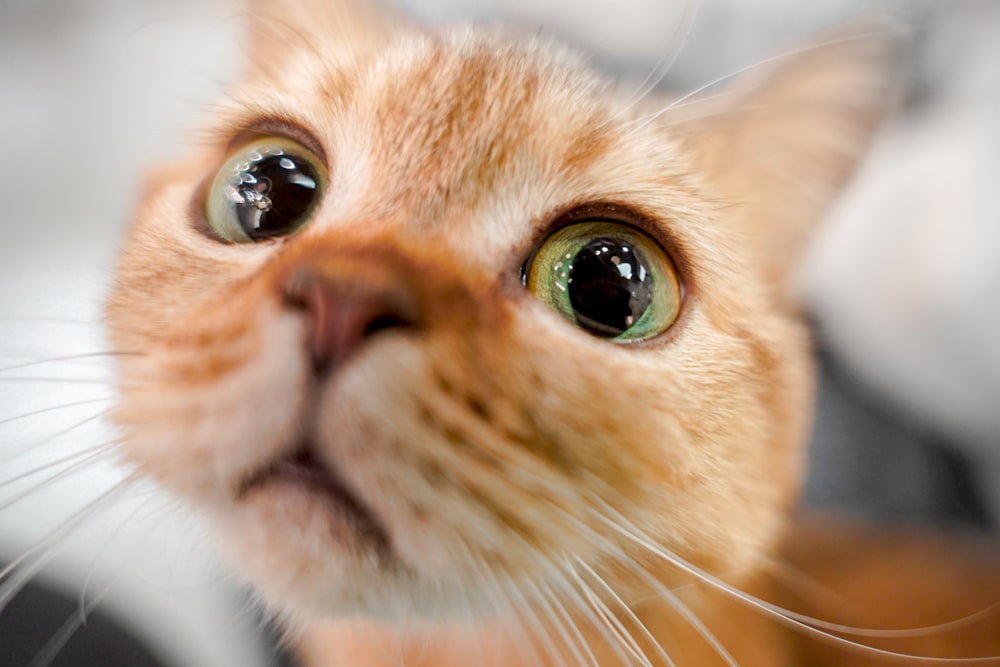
{"points": [[274, 194], [609, 287]]}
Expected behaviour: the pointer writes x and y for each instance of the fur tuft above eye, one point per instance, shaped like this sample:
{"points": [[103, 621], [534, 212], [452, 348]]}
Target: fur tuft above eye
{"points": [[268, 188], [608, 279]]}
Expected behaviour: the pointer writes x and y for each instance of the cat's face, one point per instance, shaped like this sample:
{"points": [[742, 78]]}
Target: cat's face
{"points": [[376, 408]]}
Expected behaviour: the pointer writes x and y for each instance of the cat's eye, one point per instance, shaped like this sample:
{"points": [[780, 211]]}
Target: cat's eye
{"points": [[607, 278], [268, 188]]}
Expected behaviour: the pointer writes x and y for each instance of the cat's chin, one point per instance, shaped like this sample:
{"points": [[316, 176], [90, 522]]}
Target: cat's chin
{"points": [[300, 488], [311, 559], [305, 548], [299, 496], [312, 545]]}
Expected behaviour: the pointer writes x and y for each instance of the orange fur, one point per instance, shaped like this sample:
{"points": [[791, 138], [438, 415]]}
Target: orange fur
{"points": [[504, 452]]}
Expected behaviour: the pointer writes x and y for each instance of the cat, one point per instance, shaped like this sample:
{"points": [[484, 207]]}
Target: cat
{"points": [[472, 358]]}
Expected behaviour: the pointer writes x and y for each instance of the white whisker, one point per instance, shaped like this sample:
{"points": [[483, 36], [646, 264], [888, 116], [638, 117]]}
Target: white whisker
{"points": [[565, 626], [905, 633], [85, 607], [641, 123], [628, 611], [17, 574], [783, 616], [79, 466], [51, 380], [89, 455], [49, 439], [149, 526], [614, 631], [527, 608], [54, 408], [692, 619], [505, 608], [57, 641], [666, 63], [69, 358], [34, 319]]}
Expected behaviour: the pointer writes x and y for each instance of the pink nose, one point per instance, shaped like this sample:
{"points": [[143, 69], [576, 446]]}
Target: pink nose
{"points": [[342, 316]]}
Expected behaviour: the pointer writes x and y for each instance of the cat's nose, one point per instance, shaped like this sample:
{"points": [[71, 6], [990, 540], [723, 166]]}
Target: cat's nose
{"points": [[341, 317]]}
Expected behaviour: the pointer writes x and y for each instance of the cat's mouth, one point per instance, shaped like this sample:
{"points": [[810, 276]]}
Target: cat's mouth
{"points": [[302, 468]]}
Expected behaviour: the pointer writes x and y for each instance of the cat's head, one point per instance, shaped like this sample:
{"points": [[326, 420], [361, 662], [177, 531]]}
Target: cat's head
{"points": [[438, 315]]}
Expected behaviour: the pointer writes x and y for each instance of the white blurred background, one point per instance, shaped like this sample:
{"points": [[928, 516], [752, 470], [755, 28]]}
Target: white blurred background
{"points": [[903, 283]]}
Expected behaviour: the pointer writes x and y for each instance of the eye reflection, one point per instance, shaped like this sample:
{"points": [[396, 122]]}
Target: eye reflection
{"points": [[268, 189], [606, 278]]}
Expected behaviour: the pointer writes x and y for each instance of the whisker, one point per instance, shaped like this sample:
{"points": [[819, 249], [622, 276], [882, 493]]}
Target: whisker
{"points": [[68, 358], [702, 100], [49, 439], [801, 581], [91, 454], [612, 629], [17, 574], [718, 113], [583, 608], [760, 63], [57, 641], [553, 603], [150, 528], [815, 629], [628, 611], [54, 408], [79, 466], [527, 608], [804, 618], [31, 319], [39, 379], [557, 625], [85, 607], [666, 63], [504, 606], [692, 619], [73, 622]]}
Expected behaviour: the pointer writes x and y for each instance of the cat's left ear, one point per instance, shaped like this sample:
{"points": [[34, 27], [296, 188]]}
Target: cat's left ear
{"points": [[780, 147], [332, 30]]}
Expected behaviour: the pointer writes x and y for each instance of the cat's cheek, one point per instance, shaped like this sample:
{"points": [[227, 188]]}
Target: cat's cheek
{"points": [[200, 439], [694, 460]]}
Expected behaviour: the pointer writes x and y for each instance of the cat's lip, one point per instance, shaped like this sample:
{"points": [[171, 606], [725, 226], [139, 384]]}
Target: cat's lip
{"points": [[303, 468]]}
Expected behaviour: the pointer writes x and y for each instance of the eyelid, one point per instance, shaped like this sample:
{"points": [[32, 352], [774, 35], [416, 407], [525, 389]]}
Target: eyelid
{"points": [[282, 127], [629, 215]]}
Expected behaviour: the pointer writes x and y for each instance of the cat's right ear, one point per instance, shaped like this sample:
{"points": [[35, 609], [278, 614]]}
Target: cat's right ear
{"points": [[334, 30]]}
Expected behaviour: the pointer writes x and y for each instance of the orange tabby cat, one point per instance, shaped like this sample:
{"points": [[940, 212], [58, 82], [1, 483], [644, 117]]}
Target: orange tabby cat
{"points": [[474, 359]]}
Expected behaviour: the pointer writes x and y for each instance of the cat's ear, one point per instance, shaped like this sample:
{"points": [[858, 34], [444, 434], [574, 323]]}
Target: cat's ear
{"points": [[780, 147], [331, 29]]}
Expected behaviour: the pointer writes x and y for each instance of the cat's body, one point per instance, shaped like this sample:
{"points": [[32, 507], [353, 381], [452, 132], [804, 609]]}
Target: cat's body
{"points": [[387, 427]]}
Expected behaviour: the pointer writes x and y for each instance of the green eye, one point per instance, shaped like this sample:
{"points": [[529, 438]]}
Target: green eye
{"points": [[607, 278], [268, 188]]}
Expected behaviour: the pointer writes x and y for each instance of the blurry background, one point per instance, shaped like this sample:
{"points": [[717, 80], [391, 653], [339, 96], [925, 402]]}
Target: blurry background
{"points": [[903, 284]]}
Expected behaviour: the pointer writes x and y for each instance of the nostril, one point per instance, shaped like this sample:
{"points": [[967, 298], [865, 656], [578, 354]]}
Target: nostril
{"points": [[342, 315]]}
